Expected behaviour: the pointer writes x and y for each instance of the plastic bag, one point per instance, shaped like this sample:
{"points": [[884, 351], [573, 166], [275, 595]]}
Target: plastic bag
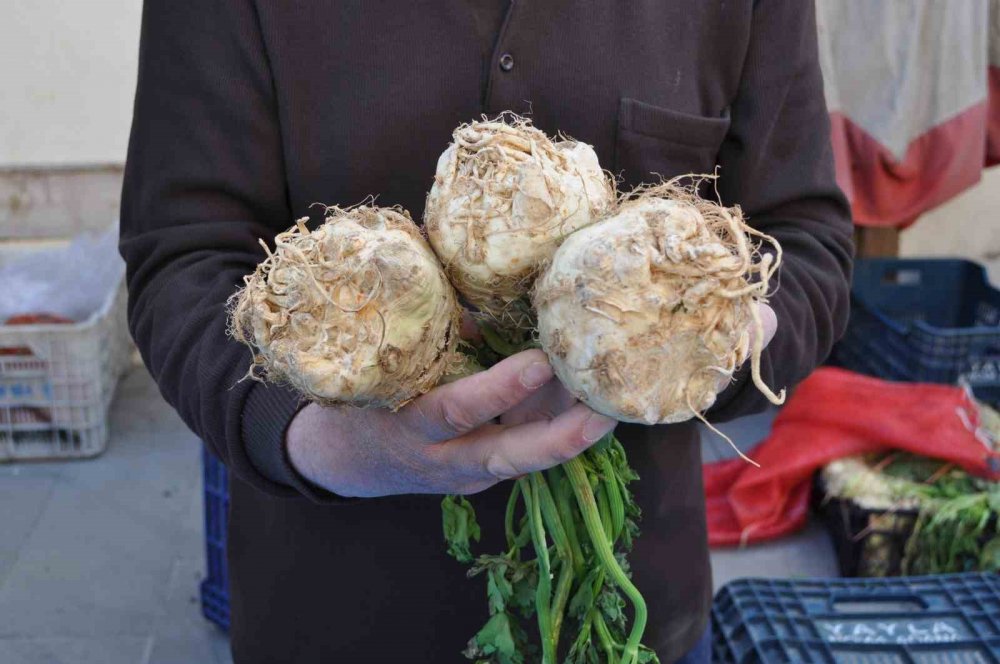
{"points": [[70, 282]]}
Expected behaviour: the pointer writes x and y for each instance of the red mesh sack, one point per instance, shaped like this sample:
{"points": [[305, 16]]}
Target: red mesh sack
{"points": [[833, 414]]}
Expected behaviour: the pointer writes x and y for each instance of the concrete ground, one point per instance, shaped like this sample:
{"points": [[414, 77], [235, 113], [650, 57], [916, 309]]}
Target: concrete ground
{"points": [[805, 554], [100, 560]]}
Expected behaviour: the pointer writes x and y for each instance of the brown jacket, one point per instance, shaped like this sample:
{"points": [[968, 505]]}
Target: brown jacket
{"points": [[248, 111]]}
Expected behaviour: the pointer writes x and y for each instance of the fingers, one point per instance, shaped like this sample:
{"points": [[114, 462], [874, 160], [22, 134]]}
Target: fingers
{"points": [[769, 322], [499, 453], [545, 403], [452, 410]]}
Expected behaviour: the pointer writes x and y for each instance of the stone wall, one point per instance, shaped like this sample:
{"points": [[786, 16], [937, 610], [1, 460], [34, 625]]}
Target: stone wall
{"points": [[967, 226]]}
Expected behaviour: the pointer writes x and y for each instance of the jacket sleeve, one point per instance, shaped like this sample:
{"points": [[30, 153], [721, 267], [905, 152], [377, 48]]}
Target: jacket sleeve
{"points": [[777, 164], [204, 181]]}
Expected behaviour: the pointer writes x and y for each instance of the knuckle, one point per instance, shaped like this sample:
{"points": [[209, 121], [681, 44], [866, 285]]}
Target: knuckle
{"points": [[499, 467], [569, 448], [501, 399], [434, 418], [454, 419]]}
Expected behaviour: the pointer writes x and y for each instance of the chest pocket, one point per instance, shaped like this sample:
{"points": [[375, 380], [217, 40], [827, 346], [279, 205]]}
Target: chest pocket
{"points": [[653, 141]]}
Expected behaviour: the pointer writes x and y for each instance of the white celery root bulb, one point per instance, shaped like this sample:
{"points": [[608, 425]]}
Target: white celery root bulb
{"points": [[647, 314], [504, 197], [358, 311]]}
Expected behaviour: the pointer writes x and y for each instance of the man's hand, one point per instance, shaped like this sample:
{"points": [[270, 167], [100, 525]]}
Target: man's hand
{"points": [[446, 441]]}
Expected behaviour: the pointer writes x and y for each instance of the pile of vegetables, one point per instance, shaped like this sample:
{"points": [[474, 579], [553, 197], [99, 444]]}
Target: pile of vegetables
{"points": [[646, 305], [947, 518]]}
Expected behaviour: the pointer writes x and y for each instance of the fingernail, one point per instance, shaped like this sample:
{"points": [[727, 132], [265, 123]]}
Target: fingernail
{"points": [[597, 426], [536, 374]]}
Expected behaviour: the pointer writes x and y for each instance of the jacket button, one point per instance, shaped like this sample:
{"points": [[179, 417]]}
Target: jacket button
{"points": [[506, 62]]}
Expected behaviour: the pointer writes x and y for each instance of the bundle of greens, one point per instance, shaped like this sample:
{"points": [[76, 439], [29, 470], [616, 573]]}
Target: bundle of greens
{"points": [[575, 582]]}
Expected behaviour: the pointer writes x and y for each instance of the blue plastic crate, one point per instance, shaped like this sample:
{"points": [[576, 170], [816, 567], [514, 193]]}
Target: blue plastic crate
{"points": [[215, 586], [924, 320], [952, 618]]}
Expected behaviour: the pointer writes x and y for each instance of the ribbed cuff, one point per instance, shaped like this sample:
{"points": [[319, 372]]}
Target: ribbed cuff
{"points": [[267, 412]]}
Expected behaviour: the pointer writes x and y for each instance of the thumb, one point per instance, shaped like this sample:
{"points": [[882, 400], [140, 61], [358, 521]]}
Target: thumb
{"points": [[769, 324]]}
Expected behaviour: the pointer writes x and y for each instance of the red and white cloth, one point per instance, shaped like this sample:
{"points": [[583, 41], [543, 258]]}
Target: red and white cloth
{"points": [[913, 88]]}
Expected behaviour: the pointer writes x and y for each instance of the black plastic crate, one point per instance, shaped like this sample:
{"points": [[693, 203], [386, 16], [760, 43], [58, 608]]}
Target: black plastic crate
{"points": [[951, 618], [873, 542], [868, 542], [924, 320], [215, 586]]}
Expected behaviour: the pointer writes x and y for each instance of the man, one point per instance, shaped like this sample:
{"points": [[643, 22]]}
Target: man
{"points": [[249, 111]]}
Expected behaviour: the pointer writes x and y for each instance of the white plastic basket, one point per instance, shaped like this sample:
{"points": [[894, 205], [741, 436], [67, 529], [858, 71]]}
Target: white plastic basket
{"points": [[57, 382]]}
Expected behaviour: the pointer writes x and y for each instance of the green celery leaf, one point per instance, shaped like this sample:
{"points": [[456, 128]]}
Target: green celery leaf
{"points": [[460, 526], [989, 557], [498, 589], [582, 601], [523, 597], [496, 641], [612, 605]]}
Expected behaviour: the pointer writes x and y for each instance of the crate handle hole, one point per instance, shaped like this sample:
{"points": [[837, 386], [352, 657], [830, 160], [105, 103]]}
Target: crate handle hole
{"points": [[878, 604], [901, 277]]}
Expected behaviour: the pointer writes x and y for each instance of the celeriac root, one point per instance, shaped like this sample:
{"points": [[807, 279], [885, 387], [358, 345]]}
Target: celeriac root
{"points": [[647, 314], [358, 311], [504, 196]]}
